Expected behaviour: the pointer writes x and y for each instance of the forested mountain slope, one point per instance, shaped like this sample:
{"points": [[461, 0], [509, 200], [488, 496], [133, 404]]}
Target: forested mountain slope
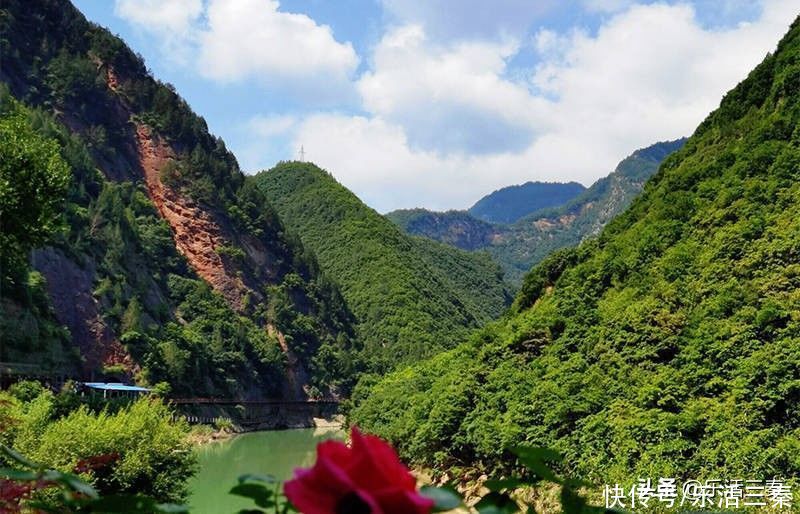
{"points": [[171, 267], [669, 346], [511, 203], [520, 245], [411, 296]]}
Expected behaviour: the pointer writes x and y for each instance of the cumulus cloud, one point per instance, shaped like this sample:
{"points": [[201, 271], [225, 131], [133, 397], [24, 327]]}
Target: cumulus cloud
{"points": [[172, 22], [449, 98], [650, 73], [234, 41], [162, 16], [252, 39], [373, 158]]}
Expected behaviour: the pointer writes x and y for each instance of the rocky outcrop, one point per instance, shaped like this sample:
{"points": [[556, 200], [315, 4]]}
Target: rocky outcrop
{"points": [[198, 235], [296, 375], [70, 288]]}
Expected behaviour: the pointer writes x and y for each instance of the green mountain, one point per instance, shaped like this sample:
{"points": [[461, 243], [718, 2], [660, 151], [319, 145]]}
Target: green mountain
{"points": [[667, 347], [168, 265], [519, 246], [411, 296], [511, 203], [534, 237]]}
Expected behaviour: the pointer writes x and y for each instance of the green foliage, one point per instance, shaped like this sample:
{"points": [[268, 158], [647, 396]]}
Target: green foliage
{"points": [[411, 297], [33, 184], [25, 390], [148, 453], [669, 346]]}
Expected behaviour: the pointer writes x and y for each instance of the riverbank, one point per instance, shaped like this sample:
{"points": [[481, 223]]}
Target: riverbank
{"points": [[203, 434]]}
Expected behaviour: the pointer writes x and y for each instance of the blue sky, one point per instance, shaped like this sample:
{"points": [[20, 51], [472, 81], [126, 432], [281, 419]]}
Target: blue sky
{"points": [[435, 103]]}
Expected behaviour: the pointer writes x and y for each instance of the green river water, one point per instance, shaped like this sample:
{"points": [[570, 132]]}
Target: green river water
{"points": [[275, 453]]}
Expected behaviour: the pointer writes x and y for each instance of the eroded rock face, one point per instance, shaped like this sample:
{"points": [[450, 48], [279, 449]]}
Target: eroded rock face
{"points": [[70, 287], [198, 236]]}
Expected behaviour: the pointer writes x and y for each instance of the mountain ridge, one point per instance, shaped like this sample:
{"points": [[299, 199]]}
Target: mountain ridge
{"points": [[509, 204], [520, 245]]}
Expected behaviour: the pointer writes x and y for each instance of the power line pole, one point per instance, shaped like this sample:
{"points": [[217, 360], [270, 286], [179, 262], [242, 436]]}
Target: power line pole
{"points": [[302, 154]]}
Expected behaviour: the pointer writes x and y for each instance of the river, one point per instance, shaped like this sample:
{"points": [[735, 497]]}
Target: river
{"points": [[275, 453]]}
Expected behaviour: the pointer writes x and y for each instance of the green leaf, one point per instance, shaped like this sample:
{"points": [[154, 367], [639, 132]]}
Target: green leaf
{"points": [[18, 458], [256, 492], [497, 503], [257, 477], [445, 498], [535, 459], [17, 474], [72, 482], [288, 507]]}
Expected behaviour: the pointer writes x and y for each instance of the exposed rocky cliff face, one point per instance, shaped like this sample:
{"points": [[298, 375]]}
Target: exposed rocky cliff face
{"points": [[71, 291], [198, 234]]}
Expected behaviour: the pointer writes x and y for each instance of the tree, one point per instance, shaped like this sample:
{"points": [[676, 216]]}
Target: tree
{"points": [[33, 186]]}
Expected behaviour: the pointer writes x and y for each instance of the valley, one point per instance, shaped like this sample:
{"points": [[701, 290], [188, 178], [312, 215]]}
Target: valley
{"points": [[531, 349]]}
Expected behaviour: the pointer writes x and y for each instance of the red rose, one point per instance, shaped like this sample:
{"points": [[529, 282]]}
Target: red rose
{"points": [[366, 478]]}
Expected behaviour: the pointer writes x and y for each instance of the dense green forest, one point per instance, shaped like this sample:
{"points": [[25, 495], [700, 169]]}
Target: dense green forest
{"points": [[110, 296], [668, 346], [520, 245], [412, 297]]}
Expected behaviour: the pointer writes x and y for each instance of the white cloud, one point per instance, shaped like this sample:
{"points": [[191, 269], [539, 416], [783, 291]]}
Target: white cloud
{"points": [[172, 22], [449, 98], [650, 73], [372, 157], [252, 39], [236, 41], [163, 16]]}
